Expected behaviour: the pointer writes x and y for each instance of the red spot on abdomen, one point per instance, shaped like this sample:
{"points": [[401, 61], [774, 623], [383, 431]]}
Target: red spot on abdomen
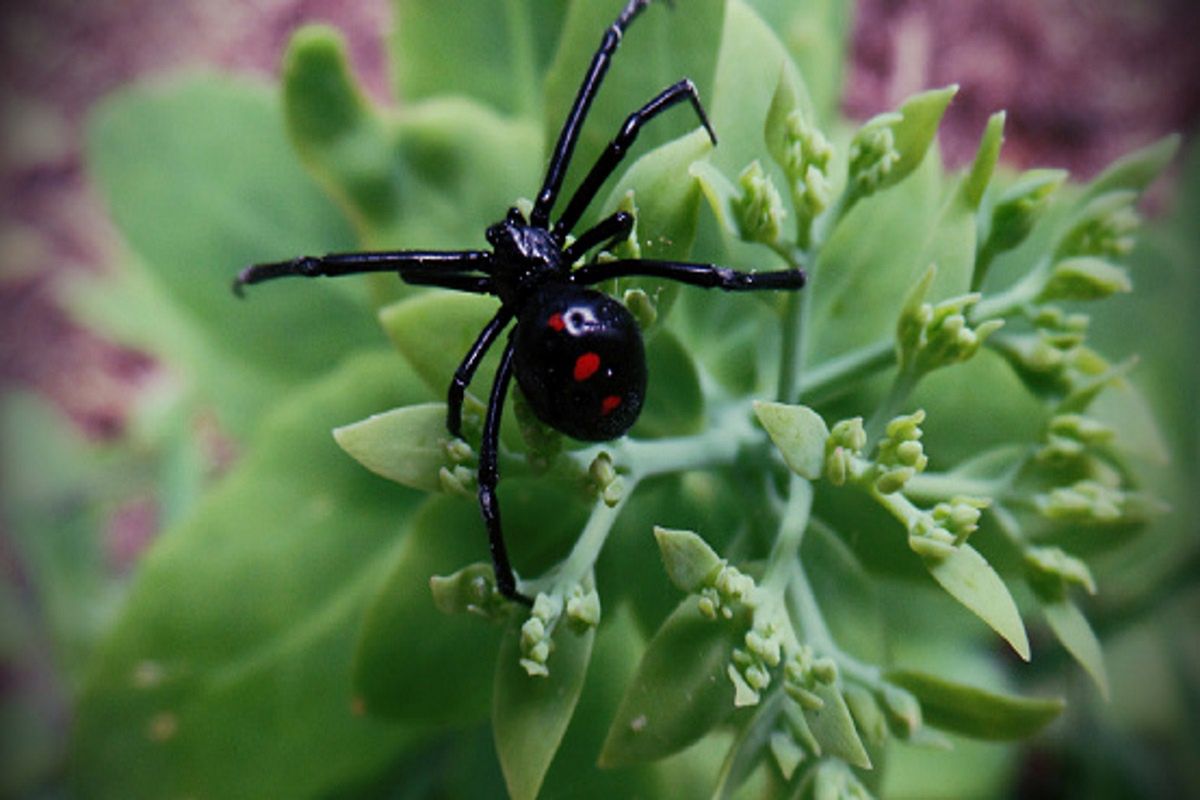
{"points": [[556, 322], [586, 366], [609, 404]]}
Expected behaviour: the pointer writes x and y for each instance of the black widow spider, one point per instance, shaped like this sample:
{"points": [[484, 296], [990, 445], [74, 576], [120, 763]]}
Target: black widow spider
{"points": [[577, 353]]}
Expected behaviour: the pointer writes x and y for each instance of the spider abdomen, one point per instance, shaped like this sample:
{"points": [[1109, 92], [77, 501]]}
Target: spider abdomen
{"points": [[580, 362]]}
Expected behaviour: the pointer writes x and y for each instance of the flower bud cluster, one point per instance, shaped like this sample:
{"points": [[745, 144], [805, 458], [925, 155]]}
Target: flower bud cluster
{"points": [[458, 479], [536, 634], [1070, 436], [758, 209], [960, 517], [608, 484], [805, 161], [730, 585], [1097, 502], [804, 673], [1105, 228], [930, 336], [846, 441], [1051, 564], [900, 454], [873, 154], [750, 669], [1019, 208]]}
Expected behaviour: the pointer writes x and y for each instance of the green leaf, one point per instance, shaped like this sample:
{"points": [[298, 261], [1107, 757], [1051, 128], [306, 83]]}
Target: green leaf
{"points": [[496, 54], [457, 320], [407, 645], [975, 712], [530, 714], [815, 34], [690, 562], [833, 727], [406, 445], [1134, 171], [980, 174], [228, 671], [971, 581], [336, 131], [199, 201], [799, 433], [674, 400], [673, 701], [749, 67], [1072, 629]]}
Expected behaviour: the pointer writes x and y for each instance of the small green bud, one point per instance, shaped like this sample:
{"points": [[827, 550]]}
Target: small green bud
{"points": [[850, 434], [902, 709], [459, 451], [583, 607], [759, 208], [1084, 501], [873, 153], [472, 589], [460, 481], [1103, 228], [894, 480], [1085, 278], [743, 693], [960, 517], [1019, 208], [641, 306], [1054, 564]]}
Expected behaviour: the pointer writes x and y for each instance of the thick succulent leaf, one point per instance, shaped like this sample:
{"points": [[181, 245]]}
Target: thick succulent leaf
{"points": [[407, 644], [1134, 171], [1072, 629], [406, 445], [674, 701], [974, 712], [799, 433], [246, 612], [749, 66], [661, 47], [199, 201], [674, 400], [815, 34], [986, 157], [434, 330], [970, 580], [498, 57], [833, 728], [666, 199], [530, 714]]}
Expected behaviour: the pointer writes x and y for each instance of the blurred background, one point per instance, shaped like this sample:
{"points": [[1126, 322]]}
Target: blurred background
{"points": [[1083, 82]]}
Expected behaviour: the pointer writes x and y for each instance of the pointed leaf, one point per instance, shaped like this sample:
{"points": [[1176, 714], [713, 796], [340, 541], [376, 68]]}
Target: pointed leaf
{"points": [[980, 175], [833, 727], [1072, 629], [970, 580], [406, 445], [1134, 171], [974, 712], [680, 690], [799, 433], [530, 714]]}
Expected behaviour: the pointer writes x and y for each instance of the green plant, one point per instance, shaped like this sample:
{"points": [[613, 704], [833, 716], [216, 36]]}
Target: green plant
{"points": [[804, 464]]}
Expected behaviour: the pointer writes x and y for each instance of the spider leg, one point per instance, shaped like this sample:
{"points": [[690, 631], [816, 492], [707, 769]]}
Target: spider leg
{"points": [[470, 363], [569, 134], [612, 155], [708, 276], [416, 263], [610, 230], [489, 476]]}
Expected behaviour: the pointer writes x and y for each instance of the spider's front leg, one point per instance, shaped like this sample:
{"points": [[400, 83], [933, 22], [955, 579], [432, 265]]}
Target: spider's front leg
{"points": [[489, 476], [470, 363], [450, 270], [707, 276]]}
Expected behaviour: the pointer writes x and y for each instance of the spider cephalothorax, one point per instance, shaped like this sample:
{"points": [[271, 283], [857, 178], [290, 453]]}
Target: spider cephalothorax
{"points": [[576, 353]]}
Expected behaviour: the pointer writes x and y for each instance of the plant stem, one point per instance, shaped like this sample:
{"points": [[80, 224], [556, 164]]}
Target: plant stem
{"points": [[837, 373], [582, 559], [792, 525], [902, 387], [944, 486]]}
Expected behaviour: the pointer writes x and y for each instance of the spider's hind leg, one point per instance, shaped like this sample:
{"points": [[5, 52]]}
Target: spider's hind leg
{"points": [[489, 476]]}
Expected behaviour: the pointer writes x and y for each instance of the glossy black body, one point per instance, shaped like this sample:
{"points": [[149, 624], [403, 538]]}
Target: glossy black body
{"points": [[586, 378], [580, 362]]}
